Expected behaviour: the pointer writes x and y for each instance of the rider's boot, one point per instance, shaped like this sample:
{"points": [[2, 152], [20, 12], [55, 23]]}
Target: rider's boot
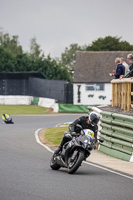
{"points": [[64, 140], [58, 150]]}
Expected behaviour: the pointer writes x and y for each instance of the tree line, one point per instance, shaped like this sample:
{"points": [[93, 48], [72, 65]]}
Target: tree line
{"points": [[14, 59]]}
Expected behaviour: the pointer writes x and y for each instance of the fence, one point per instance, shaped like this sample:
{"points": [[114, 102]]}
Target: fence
{"points": [[35, 84], [121, 93], [117, 132], [54, 89]]}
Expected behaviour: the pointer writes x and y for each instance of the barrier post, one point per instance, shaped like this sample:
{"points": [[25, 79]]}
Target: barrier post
{"points": [[129, 96], [121, 93]]}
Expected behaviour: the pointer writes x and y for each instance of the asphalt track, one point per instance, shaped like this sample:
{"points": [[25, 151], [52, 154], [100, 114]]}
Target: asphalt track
{"points": [[25, 173]]}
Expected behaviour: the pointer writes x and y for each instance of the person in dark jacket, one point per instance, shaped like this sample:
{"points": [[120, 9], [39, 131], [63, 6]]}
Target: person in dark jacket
{"points": [[120, 69], [87, 122], [130, 61]]}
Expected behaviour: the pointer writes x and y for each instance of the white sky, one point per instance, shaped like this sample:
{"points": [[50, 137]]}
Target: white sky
{"points": [[58, 23]]}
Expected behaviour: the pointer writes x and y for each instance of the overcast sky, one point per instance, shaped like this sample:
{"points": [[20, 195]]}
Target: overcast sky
{"points": [[58, 23]]}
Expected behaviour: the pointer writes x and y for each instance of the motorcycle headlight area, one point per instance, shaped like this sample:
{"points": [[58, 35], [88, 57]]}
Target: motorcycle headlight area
{"points": [[89, 133], [86, 143]]}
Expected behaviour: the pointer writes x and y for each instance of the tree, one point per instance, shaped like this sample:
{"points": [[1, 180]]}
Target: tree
{"points": [[35, 49], [13, 59], [23, 63], [68, 57], [10, 43], [54, 70], [109, 43], [7, 60]]}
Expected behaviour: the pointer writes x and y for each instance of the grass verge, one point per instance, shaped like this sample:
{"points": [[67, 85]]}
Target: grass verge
{"points": [[23, 109], [54, 135]]}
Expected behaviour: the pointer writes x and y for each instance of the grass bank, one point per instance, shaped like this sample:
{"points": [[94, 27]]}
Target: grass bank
{"points": [[54, 135], [23, 109]]}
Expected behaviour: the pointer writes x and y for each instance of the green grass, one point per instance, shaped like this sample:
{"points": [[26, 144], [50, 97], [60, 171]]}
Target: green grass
{"points": [[23, 109], [54, 135]]}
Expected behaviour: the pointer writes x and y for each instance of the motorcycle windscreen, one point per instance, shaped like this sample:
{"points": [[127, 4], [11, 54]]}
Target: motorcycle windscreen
{"points": [[89, 133]]}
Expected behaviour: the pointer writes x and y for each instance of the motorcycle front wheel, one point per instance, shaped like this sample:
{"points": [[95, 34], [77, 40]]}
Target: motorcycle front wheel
{"points": [[53, 164], [74, 165]]}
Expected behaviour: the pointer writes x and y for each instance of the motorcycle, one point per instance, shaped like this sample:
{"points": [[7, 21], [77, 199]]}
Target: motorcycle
{"points": [[8, 120], [75, 151]]}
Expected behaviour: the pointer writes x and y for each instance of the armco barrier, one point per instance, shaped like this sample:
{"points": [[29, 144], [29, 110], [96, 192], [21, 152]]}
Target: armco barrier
{"points": [[117, 132], [70, 108]]}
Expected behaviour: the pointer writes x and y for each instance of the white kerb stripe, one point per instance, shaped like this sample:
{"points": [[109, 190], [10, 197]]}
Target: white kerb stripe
{"points": [[39, 142]]}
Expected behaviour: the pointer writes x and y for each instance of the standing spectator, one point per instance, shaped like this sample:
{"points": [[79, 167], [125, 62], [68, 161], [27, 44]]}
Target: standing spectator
{"points": [[130, 61], [120, 69], [125, 65], [130, 74]]}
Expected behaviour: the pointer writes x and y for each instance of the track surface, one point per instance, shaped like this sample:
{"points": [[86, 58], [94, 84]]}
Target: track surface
{"points": [[25, 173]]}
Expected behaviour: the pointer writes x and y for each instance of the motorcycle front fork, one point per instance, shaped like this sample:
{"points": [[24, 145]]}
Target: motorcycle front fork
{"points": [[74, 156]]}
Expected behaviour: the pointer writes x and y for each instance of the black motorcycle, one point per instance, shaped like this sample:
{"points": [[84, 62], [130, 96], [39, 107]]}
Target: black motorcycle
{"points": [[8, 121], [74, 151]]}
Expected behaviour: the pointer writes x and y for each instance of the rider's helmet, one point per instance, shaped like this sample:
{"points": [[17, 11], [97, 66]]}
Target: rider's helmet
{"points": [[93, 118]]}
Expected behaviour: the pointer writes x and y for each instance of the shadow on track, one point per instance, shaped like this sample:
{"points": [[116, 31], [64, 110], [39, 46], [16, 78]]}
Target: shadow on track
{"points": [[80, 172]]}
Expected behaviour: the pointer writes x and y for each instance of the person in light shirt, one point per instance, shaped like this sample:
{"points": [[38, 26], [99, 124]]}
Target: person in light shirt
{"points": [[125, 65]]}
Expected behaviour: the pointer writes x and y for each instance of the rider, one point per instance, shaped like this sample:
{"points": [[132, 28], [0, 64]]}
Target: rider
{"points": [[4, 117], [87, 122]]}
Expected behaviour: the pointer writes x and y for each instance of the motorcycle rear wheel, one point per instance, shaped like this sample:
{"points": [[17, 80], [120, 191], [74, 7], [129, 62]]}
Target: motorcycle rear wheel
{"points": [[73, 168], [53, 164]]}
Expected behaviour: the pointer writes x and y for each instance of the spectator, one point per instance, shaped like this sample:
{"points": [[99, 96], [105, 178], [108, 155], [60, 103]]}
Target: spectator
{"points": [[120, 69], [130, 61], [130, 74], [125, 65]]}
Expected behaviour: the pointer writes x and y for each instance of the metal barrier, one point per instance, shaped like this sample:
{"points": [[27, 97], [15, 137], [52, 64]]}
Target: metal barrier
{"points": [[117, 132], [121, 93]]}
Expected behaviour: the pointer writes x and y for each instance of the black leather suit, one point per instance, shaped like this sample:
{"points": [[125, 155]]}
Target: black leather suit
{"points": [[83, 121]]}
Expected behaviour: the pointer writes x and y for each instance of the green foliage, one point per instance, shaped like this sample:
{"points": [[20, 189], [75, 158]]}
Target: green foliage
{"points": [[10, 43], [13, 59], [68, 57], [7, 60], [109, 44], [35, 49]]}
